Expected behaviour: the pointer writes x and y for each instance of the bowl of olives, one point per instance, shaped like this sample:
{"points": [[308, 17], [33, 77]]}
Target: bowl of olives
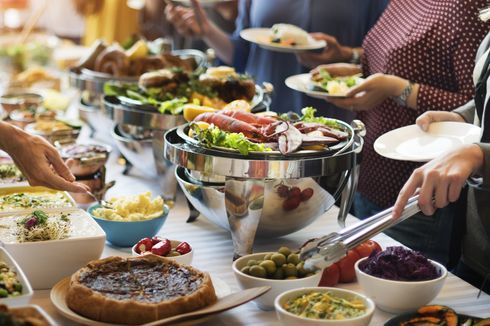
{"points": [[282, 271]]}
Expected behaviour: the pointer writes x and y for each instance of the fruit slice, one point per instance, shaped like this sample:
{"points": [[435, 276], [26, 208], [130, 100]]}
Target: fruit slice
{"points": [[138, 50], [191, 111], [238, 105]]}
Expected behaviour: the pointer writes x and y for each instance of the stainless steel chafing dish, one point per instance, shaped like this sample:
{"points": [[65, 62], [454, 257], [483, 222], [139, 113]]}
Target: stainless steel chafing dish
{"points": [[240, 193], [91, 86]]}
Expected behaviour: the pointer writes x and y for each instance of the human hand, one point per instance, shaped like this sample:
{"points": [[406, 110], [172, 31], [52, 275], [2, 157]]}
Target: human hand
{"points": [[373, 91], [190, 22], [39, 161], [333, 52], [440, 181], [425, 119]]}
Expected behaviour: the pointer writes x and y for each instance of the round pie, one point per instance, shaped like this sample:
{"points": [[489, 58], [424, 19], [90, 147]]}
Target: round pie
{"points": [[138, 290]]}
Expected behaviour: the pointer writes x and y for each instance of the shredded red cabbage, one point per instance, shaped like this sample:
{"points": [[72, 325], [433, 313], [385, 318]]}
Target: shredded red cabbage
{"points": [[399, 264]]}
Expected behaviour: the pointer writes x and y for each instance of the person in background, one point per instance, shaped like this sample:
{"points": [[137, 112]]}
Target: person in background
{"points": [[111, 20], [38, 160], [418, 57], [348, 20], [440, 181]]}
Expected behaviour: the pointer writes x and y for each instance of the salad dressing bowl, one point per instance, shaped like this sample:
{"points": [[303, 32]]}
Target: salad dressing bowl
{"points": [[400, 296]]}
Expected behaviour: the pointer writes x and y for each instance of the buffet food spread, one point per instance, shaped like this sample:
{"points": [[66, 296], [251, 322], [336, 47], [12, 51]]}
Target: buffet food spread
{"points": [[256, 173]]}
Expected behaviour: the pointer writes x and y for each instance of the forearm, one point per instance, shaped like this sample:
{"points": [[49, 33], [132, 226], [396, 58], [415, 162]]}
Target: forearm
{"points": [[7, 134], [347, 53], [398, 85], [484, 170], [220, 42]]}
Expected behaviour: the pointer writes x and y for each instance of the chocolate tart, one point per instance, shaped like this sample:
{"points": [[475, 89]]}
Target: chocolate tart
{"points": [[138, 290]]}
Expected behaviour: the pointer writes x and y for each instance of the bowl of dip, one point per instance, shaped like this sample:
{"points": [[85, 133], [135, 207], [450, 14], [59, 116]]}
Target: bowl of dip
{"points": [[312, 306]]}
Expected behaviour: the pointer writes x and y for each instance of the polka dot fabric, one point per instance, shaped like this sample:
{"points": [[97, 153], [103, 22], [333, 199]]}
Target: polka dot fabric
{"points": [[430, 42]]}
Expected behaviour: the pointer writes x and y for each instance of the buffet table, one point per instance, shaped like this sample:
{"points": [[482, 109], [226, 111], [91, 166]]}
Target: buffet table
{"points": [[214, 251]]}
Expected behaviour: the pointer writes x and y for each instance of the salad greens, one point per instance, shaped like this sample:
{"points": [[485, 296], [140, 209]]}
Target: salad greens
{"points": [[309, 116], [213, 136], [325, 78]]}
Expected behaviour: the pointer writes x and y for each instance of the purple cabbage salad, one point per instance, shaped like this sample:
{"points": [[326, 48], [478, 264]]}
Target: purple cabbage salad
{"points": [[399, 264]]}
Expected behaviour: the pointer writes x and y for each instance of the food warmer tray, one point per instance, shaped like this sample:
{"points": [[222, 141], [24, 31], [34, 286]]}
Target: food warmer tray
{"points": [[240, 193]]}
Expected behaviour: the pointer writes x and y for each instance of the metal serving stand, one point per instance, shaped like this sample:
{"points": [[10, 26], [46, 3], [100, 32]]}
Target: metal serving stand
{"points": [[239, 193]]}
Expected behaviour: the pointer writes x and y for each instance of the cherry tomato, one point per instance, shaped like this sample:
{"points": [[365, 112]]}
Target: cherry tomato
{"points": [[367, 247], [143, 245], [162, 248], [330, 276], [306, 194], [156, 239], [346, 266], [291, 203], [183, 248], [294, 192]]}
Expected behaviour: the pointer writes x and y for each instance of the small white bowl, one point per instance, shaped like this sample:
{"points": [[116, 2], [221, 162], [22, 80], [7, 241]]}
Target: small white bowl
{"points": [[27, 292], [288, 319], [266, 301], [182, 259], [400, 296]]}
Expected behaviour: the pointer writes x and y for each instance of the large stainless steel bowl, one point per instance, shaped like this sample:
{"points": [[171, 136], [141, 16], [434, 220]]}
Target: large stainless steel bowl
{"points": [[99, 123]]}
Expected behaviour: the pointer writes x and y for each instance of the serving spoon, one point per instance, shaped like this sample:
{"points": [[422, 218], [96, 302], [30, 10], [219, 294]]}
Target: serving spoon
{"points": [[103, 203], [229, 302]]}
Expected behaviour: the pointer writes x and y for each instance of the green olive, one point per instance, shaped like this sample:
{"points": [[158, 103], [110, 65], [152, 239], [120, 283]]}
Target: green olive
{"points": [[245, 270], [285, 251], [294, 259], [301, 269], [18, 287], [279, 259], [252, 262], [3, 293], [269, 266], [279, 274], [258, 271], [289, 270], [268, 257]]}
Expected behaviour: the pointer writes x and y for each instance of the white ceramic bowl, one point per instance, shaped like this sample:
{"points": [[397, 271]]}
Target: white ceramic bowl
{"points": [[46, 262], [266, 301], [27, 292], [288, 319], [400, 296], [182, 259]]}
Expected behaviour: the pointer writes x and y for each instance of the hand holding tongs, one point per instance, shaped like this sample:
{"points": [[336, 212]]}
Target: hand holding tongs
{"points": [[329, 249]]}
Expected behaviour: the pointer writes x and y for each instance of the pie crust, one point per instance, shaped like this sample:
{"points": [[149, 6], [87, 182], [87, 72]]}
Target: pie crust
{"points": [[138, 290]]}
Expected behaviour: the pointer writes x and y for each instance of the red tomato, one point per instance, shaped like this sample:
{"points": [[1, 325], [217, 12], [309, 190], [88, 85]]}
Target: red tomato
{"points": [[367, 247], [143, 245], [156, 239], [306, 194], [162, 248], [183, 248], [295, 192], [330, 276], [346, 266], [291, 203]]}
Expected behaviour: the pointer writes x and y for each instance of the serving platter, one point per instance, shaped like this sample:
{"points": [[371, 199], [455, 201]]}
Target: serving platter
{"points": [[60, 290], [410, 143], [10, 189], [398, 320], [261, 37], [183, 132], [303, 83]]}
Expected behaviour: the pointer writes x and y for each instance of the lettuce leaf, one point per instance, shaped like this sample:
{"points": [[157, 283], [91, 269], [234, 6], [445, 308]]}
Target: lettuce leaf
{"points": [[309, 116], [213, 136]]}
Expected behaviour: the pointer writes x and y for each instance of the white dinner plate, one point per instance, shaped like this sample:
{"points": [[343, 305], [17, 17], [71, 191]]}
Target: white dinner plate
{"points": [[302, 83], [410, 143], [261, 36], [60, 290]]}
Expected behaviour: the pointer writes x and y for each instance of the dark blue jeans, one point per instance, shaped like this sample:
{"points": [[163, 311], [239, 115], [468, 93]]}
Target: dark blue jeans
{"points": [[438, 236]]}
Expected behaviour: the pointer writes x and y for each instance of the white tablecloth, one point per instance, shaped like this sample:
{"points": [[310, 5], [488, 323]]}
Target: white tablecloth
{"points": [[214, 250]]}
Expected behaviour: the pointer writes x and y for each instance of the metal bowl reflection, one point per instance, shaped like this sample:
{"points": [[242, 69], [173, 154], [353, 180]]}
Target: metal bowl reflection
{"points": [[258, 198]]}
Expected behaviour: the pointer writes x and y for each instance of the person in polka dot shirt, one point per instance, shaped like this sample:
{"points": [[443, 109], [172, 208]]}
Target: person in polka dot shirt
{"points": [[418, 57]]}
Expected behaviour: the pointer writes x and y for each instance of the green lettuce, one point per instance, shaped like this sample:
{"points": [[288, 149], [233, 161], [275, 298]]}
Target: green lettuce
{"points": [[213, 136], [309, 116]]}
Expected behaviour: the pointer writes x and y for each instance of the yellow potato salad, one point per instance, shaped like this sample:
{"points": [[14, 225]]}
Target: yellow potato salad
{"points": [[132, 208]]}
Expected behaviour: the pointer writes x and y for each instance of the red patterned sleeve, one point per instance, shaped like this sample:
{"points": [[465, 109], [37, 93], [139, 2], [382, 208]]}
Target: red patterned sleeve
{"points": [[471, 32]]}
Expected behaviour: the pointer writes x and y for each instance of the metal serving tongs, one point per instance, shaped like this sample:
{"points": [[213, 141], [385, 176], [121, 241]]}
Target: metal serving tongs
{"points": [[329, 249]]}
